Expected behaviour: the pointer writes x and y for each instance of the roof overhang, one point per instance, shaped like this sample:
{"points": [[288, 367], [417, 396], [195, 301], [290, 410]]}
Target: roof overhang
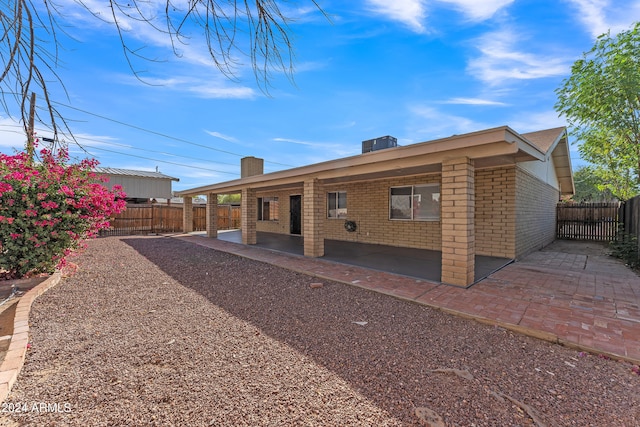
{"points": [[488, 148], [562, 161]]}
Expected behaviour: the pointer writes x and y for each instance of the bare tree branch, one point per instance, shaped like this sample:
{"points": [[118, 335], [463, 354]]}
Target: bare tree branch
{"points": [[257, 29]]}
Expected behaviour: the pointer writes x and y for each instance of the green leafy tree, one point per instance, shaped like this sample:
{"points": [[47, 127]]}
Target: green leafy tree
{"points": [[228, 198], [601, 102], [589, 187]]}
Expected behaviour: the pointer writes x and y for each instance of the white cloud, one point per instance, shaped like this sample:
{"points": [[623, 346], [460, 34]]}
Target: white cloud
{"points": [[213, 87], [298, 142], [410, 12], [474, 101], [12, 135], [478, 10], [413, 13], [222, 92], [159, 54], [536, 121], [221, 136], [500, 60], [600, 16], [330, 150], [433, 124]]}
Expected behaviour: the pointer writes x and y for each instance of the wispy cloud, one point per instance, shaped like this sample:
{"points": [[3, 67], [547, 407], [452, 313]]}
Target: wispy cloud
{"points": [[474, 101], [411, 13], [532, 122], [12, 135], [501, 60], [478, 10], [222, 136], [299, 142], [215, 87], [330, 150], [158, 53], [600, 16], [222, 92], [432, 123]]}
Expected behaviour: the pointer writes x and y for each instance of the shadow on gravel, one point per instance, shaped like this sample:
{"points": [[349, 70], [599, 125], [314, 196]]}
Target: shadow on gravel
{"points": [[390, 353]]}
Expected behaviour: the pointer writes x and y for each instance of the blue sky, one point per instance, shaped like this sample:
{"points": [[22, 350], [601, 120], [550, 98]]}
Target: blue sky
{"points": [[414, 69]]}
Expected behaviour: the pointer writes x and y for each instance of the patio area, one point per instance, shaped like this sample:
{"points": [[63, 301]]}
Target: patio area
{"points": [[417, 263]]}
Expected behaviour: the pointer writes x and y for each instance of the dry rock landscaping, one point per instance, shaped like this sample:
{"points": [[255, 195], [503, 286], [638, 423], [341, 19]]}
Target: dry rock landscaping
{"points": [[158, 331]]}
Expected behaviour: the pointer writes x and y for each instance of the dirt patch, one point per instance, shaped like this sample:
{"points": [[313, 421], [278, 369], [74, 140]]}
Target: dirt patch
{"points": [[579, 247]]}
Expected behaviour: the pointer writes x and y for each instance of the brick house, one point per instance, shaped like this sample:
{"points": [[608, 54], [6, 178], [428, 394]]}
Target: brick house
{"points": [[492, 192]]}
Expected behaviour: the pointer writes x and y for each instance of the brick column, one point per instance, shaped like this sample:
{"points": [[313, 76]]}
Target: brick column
{"points": [[313, 213], [458, 231], [249, 209], [212, 215], [187, 214]]}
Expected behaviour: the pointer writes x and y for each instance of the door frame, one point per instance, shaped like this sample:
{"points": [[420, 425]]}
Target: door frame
{"points": [[295, 218]]}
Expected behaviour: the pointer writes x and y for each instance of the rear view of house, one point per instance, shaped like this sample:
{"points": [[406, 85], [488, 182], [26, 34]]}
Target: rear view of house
{"points": [[491, 192]]}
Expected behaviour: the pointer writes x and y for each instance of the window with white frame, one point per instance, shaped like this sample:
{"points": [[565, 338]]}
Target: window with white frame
{"points": [[268, 208], [415, 202], [337, 204]]}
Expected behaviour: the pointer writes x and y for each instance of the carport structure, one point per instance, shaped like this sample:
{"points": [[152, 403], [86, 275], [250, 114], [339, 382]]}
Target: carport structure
{"points": [[490, 193]]}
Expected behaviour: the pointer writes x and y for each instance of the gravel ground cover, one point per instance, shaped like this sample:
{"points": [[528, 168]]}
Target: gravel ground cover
{"points": [[157, 331]]}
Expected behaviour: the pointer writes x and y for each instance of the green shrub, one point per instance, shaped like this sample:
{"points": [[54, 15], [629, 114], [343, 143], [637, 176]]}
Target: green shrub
{"points": [[625, 247]]}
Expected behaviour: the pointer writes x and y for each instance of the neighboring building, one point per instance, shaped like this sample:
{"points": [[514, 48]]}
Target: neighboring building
{"points": [[140, 186], [492, 192]]}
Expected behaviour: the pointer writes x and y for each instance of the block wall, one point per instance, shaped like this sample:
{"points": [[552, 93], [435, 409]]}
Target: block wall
{"points": [[458, 222], [535, 213], [281, 226], [495, 212], [500, 214], [368, 206]]}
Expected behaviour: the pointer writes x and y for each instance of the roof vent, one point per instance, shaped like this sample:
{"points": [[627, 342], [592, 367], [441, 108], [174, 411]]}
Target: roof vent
{"points": [[379, 143]]}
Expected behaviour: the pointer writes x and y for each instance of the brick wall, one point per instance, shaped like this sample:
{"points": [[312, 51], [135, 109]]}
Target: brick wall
{"points": [[281, 226], [535, 213], [495, 212], [508, 201], [368, 206]]}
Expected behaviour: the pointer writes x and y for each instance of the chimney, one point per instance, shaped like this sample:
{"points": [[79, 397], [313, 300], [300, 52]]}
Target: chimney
{"points": [[250, 166]]}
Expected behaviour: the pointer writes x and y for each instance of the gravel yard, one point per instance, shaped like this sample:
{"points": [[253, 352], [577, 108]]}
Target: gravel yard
{"points": [[157, 331]]}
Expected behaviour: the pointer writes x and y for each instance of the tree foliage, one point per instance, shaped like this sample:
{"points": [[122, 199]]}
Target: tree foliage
{"points": [[30, 43], [589, 187], [601, 102]]}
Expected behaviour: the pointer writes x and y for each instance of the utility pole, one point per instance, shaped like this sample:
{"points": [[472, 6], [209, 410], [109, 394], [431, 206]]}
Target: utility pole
{"points": [[31, 128]]}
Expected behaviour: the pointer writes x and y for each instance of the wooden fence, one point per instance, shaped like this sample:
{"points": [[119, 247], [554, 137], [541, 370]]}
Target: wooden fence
{"points": [[589, 221], [631, 221], [140, 219], [631, 216]]}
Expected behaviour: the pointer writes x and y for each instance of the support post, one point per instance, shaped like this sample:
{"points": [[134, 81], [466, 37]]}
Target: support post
{"points": [[249, 218], [187, 214], [212, 215], [458, 223], [313, 217]]}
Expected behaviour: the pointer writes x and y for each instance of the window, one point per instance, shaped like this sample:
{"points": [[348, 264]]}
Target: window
{"points": [[417, 202], [268, 208], [337, 204]]}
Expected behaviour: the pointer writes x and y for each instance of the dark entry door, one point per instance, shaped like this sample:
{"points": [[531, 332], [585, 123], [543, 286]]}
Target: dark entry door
{"points": [[295, 210]]}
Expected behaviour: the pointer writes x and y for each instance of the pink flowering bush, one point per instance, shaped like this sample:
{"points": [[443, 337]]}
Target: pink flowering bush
{"points": [[47, 209]]}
